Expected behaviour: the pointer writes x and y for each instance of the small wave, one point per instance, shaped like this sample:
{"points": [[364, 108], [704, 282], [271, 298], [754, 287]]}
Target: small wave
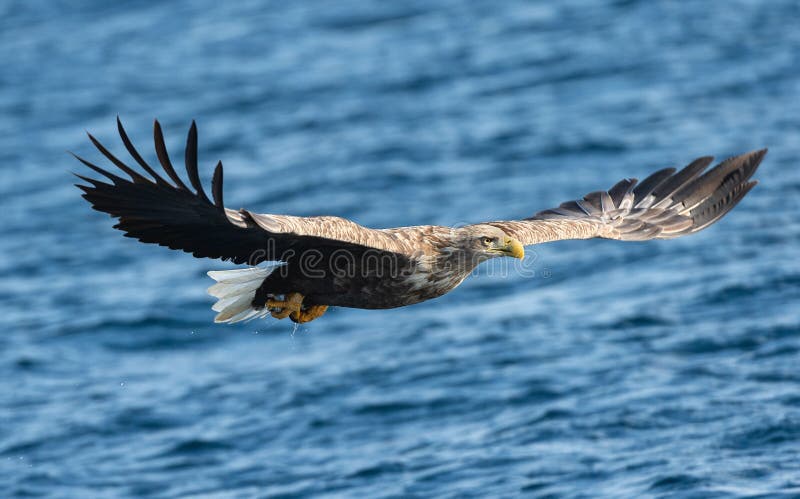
{"points": [[195, 446], [397, 407], [366, 21], [144, 419], [534, 394], [767, 434], [714, 345], [738, 291], [378, 469], [136, 324], [673, 483], [637, 321]]}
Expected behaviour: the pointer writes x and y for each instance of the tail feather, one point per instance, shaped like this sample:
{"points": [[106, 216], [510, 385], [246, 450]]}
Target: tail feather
{"points": [[235, 290], [231, 288]]}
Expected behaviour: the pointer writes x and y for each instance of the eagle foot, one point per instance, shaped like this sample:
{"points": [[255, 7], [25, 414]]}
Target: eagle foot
{"points": [[308, 314], [281, 309], [292, 306]]}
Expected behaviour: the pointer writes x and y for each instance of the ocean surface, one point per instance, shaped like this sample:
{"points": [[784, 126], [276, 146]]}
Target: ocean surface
{"points": [[606, 369]]}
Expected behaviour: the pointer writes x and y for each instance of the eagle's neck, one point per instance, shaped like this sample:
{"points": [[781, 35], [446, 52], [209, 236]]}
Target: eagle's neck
{"points": [[438, 272], [453, 262], [457, 261]]}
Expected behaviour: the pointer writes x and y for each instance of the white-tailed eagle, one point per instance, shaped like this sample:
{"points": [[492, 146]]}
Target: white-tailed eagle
{"points": [[299, 266]]}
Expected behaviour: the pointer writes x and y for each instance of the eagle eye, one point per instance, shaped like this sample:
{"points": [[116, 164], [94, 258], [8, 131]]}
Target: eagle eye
{"points": [[487, 240]]}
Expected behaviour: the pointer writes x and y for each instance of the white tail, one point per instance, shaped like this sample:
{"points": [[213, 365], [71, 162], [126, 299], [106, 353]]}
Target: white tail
{"points": [[235, 290]]}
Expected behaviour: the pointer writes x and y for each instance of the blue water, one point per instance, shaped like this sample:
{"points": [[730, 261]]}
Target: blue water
{"points": [[668, 368]]}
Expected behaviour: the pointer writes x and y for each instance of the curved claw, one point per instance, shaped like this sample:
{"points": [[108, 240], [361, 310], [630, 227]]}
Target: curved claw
{"points": [[309, 314], [284, 308]]}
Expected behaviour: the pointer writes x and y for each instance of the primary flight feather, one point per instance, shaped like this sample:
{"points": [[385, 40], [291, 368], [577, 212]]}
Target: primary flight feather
{"points": [[299, 266]]}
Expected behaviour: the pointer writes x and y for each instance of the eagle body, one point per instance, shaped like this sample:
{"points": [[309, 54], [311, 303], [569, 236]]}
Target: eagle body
{"points": [[299, 266], [375, 279]]}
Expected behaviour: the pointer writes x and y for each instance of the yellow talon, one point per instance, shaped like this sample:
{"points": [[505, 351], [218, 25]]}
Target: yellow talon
{"points": [[309, 314], [283, 308], [292, 306]]}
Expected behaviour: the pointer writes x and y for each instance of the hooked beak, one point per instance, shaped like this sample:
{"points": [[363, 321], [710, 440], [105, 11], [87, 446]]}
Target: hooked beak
{"points": [[512, 248]]}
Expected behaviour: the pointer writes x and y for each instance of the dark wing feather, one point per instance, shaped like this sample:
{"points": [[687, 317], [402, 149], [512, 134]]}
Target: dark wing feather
{"points": [[191, 162], [662, 193], [664, 205], [163, 157], [171, 215], [153, 211], [216, 187], [135, 154], [654, 180]]}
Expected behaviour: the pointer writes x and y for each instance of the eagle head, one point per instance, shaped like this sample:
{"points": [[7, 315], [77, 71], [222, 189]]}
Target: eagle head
{"points": [[481, 242]]}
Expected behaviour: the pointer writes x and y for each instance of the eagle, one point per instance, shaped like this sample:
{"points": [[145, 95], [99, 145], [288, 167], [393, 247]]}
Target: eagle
{"points": [[297, 267]]}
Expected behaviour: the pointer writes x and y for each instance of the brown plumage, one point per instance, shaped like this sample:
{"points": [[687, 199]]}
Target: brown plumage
{"points": [[333, 261]]}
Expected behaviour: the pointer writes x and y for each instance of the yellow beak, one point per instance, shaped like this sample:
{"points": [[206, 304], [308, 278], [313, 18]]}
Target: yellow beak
{"points": [[513, 248]]}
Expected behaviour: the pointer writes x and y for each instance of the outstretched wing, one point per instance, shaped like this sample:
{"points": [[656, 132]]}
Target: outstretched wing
{"points": [[154, 210], [666, 204]]}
